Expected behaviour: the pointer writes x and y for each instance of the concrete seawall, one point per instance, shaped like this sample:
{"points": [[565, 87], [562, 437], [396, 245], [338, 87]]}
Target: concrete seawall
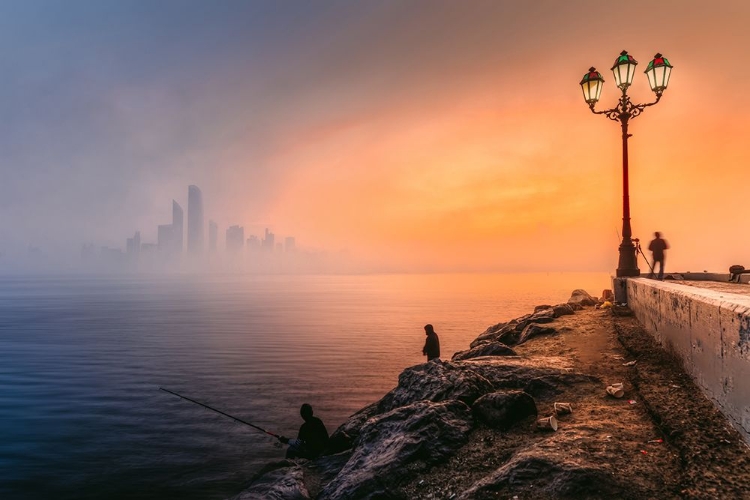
{"points": [[710, 331]]}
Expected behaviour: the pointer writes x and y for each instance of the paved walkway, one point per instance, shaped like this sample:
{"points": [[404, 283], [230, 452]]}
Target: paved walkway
{"points": [[718, 286]]}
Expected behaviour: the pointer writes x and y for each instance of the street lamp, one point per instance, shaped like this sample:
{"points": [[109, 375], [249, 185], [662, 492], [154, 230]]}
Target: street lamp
{"points": [[658, 72]]}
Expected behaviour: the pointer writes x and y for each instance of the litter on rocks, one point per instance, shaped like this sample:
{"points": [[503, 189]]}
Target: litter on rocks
{"points": [[616, 390], [562, 408]]}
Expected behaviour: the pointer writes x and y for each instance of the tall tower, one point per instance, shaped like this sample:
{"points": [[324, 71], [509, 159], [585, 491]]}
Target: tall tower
{"points": [[195, 220], [177, 231], [235, 238]]}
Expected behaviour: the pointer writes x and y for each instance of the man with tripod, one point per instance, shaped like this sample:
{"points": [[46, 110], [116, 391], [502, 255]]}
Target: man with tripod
{"points": [[657, 247]]}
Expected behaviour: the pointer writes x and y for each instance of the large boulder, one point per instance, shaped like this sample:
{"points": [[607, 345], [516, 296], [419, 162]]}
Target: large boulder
{"points": [[343, 438], [394, 446], [491, 333], [488, 349], [562, 310], [542, 378], [502, 410], [532, 330], [581, 298], [435, 381]]}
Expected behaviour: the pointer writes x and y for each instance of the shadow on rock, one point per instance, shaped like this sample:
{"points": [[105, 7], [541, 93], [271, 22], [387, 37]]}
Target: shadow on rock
{"points": [[502, 410], [396, 445], [488, 349], [536, 476]]}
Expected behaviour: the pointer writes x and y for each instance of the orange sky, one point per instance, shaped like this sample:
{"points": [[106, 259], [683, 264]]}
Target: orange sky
{"points": [[496, 163], [420, 135]]}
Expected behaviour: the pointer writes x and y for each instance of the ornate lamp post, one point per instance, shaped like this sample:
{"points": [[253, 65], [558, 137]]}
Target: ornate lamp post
{"points": [[658, 72]]}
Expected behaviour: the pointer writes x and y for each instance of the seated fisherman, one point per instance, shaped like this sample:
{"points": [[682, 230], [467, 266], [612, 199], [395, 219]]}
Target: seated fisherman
{"points": [[312, 437]]}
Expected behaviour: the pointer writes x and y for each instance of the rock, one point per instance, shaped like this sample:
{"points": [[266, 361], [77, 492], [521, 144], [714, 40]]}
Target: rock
{"points": [[488, 349], [284, 483], [581, 298], [533, 330], [435, 381], [542, 379], [562, 310], [509, 337], [321, 471], [505, 372], [343, 438], [542, 307], [550, 385], [398, 444], [542, 477], [607, 295], [502, 410], [543, 316], [491, 333]]}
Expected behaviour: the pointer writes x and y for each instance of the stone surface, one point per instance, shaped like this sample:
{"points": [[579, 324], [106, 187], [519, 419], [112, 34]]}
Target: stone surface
{"points": [[551, 479], [562, 310], [503, 409], [488, 349], [343, 438], [436, 381], [398, 443], [582, 298], [282, 483], [491, 333], [533, 330]]}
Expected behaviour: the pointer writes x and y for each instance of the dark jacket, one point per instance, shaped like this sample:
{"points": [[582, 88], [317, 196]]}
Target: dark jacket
{"points": [[315, 435], [431, 346], [657, 246]]}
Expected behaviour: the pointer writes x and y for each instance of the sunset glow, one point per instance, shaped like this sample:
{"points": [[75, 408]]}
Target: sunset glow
{"points": [[452, 137]]}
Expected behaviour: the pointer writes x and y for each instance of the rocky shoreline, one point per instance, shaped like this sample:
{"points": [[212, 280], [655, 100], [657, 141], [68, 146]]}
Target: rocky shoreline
{"points": [[469, 428]]}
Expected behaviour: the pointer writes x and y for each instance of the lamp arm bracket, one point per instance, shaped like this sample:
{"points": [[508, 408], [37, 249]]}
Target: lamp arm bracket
{"points": [[625, 110]]}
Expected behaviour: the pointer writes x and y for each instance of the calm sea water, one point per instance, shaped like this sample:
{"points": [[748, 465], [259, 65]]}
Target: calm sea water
{"points": [[82, 358]]}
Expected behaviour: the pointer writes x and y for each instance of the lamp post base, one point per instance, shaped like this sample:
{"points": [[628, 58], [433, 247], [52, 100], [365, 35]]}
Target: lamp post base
{"points": [[628, 265]]}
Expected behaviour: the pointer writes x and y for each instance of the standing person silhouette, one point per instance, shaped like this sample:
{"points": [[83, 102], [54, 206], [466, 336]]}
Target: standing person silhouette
{"points": [[312, 438], [432, 344], [657, 247]]}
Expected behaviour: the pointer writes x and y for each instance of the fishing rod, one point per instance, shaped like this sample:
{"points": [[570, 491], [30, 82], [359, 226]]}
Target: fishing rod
{"points": [[219, 411]]}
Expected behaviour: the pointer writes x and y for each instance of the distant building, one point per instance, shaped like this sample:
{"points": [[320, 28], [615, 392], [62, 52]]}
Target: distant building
{"points": [[289, 244], [253, 243], [178, 235], [268, 242], [213, 235], [133, 247], [195, 220], [165, 238], [235, 238], [170, 236]]}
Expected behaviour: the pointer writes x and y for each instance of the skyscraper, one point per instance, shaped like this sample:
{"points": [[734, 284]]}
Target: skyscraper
{"points": [[235, 238], [213, 234], [177, 227], [195, 220], [268, 242], [165, 238]]}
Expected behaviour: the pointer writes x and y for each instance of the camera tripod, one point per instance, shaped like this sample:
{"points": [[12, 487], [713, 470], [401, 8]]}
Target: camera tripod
{"points": [[638, 250]]}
